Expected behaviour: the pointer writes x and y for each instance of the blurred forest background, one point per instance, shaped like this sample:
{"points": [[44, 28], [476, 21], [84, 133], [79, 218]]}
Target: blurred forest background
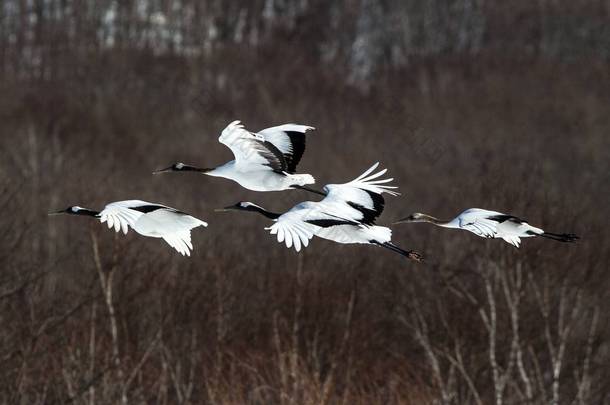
{"points": [[469, 103]]}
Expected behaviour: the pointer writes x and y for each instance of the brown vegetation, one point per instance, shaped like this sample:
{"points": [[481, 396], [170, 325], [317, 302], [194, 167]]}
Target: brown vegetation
{"points": [[512, 120]]}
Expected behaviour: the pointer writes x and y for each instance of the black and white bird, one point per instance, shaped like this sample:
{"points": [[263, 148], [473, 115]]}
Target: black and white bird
{"points": [[147, 219], [264, 161], [346, 215], [491, 224]]}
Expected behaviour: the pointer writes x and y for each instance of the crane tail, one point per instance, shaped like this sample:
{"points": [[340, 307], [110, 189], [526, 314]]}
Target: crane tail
{"points": [[301, 179]]}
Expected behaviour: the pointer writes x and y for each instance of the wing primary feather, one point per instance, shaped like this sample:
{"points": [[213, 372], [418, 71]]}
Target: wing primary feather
{"points": [[288, 236], [367, 172], [374, 175], [297, 240]]}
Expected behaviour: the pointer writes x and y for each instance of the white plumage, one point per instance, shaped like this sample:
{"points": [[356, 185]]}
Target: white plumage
{"points": [[346, 215], [264, 161], [147, 219], [491, 224]]}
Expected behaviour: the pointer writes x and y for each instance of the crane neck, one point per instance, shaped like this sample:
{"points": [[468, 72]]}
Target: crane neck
{"points": [[204, 170], [86, 212], [263, 212], [435, 221]]}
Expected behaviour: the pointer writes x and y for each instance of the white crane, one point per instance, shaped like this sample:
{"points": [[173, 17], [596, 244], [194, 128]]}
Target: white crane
{"points": [[148, 219], [346, 215], [491, 224], [264, 161]]}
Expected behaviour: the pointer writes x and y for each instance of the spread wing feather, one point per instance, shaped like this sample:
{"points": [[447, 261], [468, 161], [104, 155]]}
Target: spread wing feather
{"points": [[174, 226], [361, 199], [513, 240], [252, 149], [170, 221], [119, 217], [181, 241], [291, 230], [289, 139], [486, 223], [481, 226]]}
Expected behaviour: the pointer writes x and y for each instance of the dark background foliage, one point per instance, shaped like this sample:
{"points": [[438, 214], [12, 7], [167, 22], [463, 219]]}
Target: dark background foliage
{"points": [[469, 103]]}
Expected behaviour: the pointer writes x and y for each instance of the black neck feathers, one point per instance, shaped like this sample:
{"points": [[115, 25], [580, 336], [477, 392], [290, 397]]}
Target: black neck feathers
{"points": [[85, 212], [188, 168], [262, 211]]}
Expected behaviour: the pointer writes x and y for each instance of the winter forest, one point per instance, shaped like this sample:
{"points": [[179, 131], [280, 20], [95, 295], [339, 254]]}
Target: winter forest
{"points": [[469, 103]]}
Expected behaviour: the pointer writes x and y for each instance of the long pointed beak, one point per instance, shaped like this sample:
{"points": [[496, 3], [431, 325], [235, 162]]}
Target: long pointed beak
{"points": [[167, 169], [402, 221], [57, 213], [225, 209]]}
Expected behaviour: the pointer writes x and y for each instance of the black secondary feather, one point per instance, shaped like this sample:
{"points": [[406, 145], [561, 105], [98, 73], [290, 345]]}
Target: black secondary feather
{"points": [[503, 218], [275, 158], [147, 208], [297, 140], [370, 214], [327, 223]]}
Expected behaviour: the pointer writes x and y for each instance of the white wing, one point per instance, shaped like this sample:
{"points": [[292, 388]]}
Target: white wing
{"points": [[173, 226], [169, 220], [288, 139], [120, 216], [359, 199], [513, 240], [291, 229], [252, 151], [181, 241], [494, 224], [482, 227], [483, 223], [153, 219]]}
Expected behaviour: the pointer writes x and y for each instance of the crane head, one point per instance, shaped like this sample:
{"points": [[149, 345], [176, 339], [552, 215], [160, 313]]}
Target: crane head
{"points": [[75, 210], [416, 217]]}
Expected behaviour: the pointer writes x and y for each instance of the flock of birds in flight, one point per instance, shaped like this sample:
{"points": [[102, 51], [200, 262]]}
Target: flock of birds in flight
{"points": [[267, 161]]}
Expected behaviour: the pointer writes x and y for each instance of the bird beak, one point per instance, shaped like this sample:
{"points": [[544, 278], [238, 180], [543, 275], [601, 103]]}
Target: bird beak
{"points": [[167, 169], [402, 221], [57, 212], [225, 209]]}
